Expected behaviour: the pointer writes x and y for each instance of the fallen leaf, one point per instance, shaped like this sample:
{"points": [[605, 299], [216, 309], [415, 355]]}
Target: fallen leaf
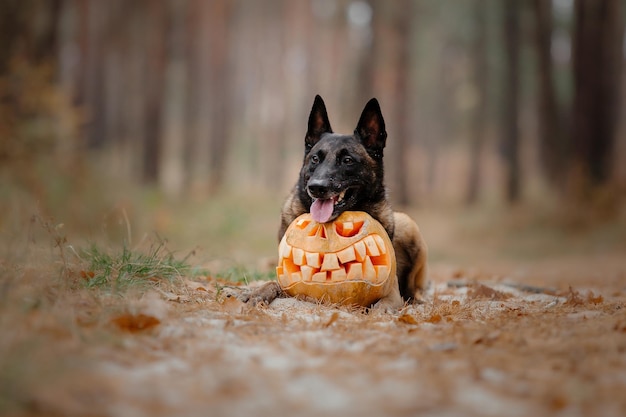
{"points": [[435, 318], [134, 323], [407, 319], [558, 402], [87, 274]]}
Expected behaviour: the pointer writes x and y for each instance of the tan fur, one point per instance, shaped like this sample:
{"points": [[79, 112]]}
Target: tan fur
{"points": [[411, 254]]}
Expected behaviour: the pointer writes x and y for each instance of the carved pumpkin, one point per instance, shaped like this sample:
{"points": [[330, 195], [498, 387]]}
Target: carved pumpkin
{"points": [[348, 261]]}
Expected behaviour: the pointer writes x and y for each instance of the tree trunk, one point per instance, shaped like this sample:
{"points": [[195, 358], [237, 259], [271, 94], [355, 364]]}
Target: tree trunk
{"points": [[551, 136], [598, 56], [477, 129], [155, 77], [196, 152], [387, 77], [510, 139], [402, 24], [94, 79], [172, 166], [219, 78]]}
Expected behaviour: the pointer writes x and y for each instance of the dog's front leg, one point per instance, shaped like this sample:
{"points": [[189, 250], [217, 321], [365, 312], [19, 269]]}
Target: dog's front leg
{"points": [[266, 293], [392, 301]]}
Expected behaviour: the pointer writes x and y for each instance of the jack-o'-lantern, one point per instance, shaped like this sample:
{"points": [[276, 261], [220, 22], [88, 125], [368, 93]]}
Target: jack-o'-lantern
{"points": [[347, 261]]}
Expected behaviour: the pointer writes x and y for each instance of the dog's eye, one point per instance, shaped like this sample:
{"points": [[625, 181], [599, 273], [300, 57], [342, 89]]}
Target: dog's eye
{"points": [[347, 160], [315, 159]]}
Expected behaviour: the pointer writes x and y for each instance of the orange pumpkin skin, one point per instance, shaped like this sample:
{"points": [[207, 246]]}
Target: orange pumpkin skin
{"points": [[348, 261]]}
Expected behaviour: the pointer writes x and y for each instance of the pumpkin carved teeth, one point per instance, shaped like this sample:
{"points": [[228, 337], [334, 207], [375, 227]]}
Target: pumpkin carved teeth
{"points": [[367, 259]]}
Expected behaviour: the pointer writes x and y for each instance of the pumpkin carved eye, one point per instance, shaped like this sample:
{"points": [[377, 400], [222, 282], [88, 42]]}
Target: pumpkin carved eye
{"points": [[302, 223], [348, 229], [311, 228]]}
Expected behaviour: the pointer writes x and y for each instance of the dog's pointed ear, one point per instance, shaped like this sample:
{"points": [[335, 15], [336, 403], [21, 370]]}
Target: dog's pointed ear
{"points": [[318, 123], [371, 127]]}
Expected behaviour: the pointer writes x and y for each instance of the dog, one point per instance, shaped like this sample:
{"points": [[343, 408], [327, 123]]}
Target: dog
{"points": [[345, 172]]}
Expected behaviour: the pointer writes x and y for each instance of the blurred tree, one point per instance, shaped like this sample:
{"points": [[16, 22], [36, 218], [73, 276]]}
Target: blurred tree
{"points": [[97, 18], [28, 67], [552, 146], [480, 77], [404, 16], [219, 78], [367, 68], [28, 31], [175, 131], [198, 95], [37, 121], [510, 110], [157, 28], [390, 81], [598, 58]]}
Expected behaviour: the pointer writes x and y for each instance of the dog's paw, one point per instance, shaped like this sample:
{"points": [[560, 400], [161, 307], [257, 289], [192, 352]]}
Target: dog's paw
{"points": [[418, 300], [388, 305], [265, 294]]}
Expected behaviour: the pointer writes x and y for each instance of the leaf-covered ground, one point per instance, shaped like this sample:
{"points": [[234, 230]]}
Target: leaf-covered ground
{"points": [[524, 316], [546, 340]]}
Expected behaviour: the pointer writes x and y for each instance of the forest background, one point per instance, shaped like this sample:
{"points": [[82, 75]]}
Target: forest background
{"points": [[187, 117], [146, 148]]}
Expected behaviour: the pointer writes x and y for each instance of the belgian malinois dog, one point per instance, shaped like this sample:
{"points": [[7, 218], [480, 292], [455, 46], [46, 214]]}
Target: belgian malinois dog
{"points": [[345, 172]]}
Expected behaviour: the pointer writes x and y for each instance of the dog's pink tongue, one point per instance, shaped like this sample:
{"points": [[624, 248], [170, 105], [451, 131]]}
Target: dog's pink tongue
{"points": [[321, 210]]}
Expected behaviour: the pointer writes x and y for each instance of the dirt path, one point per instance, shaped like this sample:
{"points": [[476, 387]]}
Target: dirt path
{"points": [[480, 345]]}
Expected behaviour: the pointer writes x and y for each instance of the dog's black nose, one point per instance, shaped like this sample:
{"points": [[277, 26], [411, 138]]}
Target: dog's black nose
{"points": [[318, 188]]}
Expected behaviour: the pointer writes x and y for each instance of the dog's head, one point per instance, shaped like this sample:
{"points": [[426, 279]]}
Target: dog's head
{"points": [[342, 172]]}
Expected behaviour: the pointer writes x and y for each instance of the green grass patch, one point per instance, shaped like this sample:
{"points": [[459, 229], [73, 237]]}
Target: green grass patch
{"points": [[126, 268]]}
